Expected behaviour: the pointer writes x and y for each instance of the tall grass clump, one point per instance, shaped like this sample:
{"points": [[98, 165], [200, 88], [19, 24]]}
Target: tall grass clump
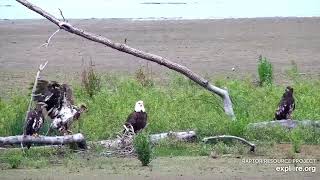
{"points": [[296, 140], [91, 80], [142, 147], [12, 114], [265, 71], [13, 158], [144, 76]]}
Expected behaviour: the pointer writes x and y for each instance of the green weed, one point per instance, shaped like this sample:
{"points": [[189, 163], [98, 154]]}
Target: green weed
{"points": [[142, 147], [265, 71]]}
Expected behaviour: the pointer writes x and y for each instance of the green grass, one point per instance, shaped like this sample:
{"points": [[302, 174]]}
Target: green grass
{"points": [[265, 71], [34, 157], [143, 148], [177, 105]]}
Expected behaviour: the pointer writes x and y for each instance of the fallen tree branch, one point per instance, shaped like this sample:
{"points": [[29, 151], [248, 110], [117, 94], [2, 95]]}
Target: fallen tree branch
{"points": [[224, 137], [286, 124], [154, 138], [180, 136], [45, 140], [223, 93]]}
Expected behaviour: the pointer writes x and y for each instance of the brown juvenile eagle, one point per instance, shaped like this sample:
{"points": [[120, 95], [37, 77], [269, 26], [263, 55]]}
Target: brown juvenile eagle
{"points": [[138, 118], [35, 120], [286, 105], [58, 102]]}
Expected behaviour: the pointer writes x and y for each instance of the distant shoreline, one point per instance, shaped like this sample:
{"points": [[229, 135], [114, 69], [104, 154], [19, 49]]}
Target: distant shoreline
{"points": [[175, 18]]}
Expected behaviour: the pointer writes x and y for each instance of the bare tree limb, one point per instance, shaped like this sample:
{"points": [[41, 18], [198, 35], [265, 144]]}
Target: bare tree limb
{"points": [[47, 140], [223, 93], [46, 44], [210, 139]]}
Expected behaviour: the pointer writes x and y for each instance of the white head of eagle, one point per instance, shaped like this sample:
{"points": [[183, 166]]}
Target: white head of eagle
{"points": [[139, 107]]}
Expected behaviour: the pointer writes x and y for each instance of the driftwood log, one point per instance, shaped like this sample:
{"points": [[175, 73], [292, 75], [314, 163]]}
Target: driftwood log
{"points": [[180, 136], [228, 137], [154, 138], [223, 93], [77, 139], [285, 123]]}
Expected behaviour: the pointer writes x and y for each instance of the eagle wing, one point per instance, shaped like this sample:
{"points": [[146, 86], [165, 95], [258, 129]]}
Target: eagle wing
{"points": [[137, 120], [132, 118]]}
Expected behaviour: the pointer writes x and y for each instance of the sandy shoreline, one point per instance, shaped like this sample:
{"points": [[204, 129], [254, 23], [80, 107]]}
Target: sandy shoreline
{"points": [[209, 47]]}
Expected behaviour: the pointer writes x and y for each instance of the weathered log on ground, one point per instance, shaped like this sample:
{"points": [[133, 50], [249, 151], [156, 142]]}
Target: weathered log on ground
{"points": [[181, 136], [285, 123], [228, 137], [223, 93], [77, 139], [154, 138]]}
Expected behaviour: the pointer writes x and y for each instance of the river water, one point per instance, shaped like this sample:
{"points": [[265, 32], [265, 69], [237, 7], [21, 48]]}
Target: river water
{"points": [[164, 9]]}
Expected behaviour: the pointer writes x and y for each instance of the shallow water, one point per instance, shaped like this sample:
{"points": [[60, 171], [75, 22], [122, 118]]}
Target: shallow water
{"points": [[164, 9]]}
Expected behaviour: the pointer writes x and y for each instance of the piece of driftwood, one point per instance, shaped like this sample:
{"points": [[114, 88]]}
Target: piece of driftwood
{"points": [[223, 93], [285, 123], [154, 138], [77, 139], [180, 136], [227, 137]]}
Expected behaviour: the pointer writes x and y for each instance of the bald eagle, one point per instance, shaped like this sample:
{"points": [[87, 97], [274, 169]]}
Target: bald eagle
{"points": [[138, 118], [58, 102], [35, 120], [286, 105]]}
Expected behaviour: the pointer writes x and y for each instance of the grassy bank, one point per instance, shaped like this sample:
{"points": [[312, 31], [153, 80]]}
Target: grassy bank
{"points": [[178, 104]]}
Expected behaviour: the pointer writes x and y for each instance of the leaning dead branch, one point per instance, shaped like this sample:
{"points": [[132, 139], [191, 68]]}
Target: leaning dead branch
{"points": [[45, 140], [286, 124], [223, 93], [46, 44], [224, 137]]}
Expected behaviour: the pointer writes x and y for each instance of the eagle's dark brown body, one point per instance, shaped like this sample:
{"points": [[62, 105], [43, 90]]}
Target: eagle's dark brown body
{"points": [[35, 120], [138, 120], [286, 105]]}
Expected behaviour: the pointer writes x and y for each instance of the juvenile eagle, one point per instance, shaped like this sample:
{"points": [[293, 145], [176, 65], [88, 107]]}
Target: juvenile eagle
{"points": [[58, 102], [35, 119], [286, 105], [138, 118]]}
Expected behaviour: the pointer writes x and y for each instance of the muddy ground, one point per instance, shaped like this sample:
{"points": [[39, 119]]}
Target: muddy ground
{"points": [[227, 166], [208, 47]]}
